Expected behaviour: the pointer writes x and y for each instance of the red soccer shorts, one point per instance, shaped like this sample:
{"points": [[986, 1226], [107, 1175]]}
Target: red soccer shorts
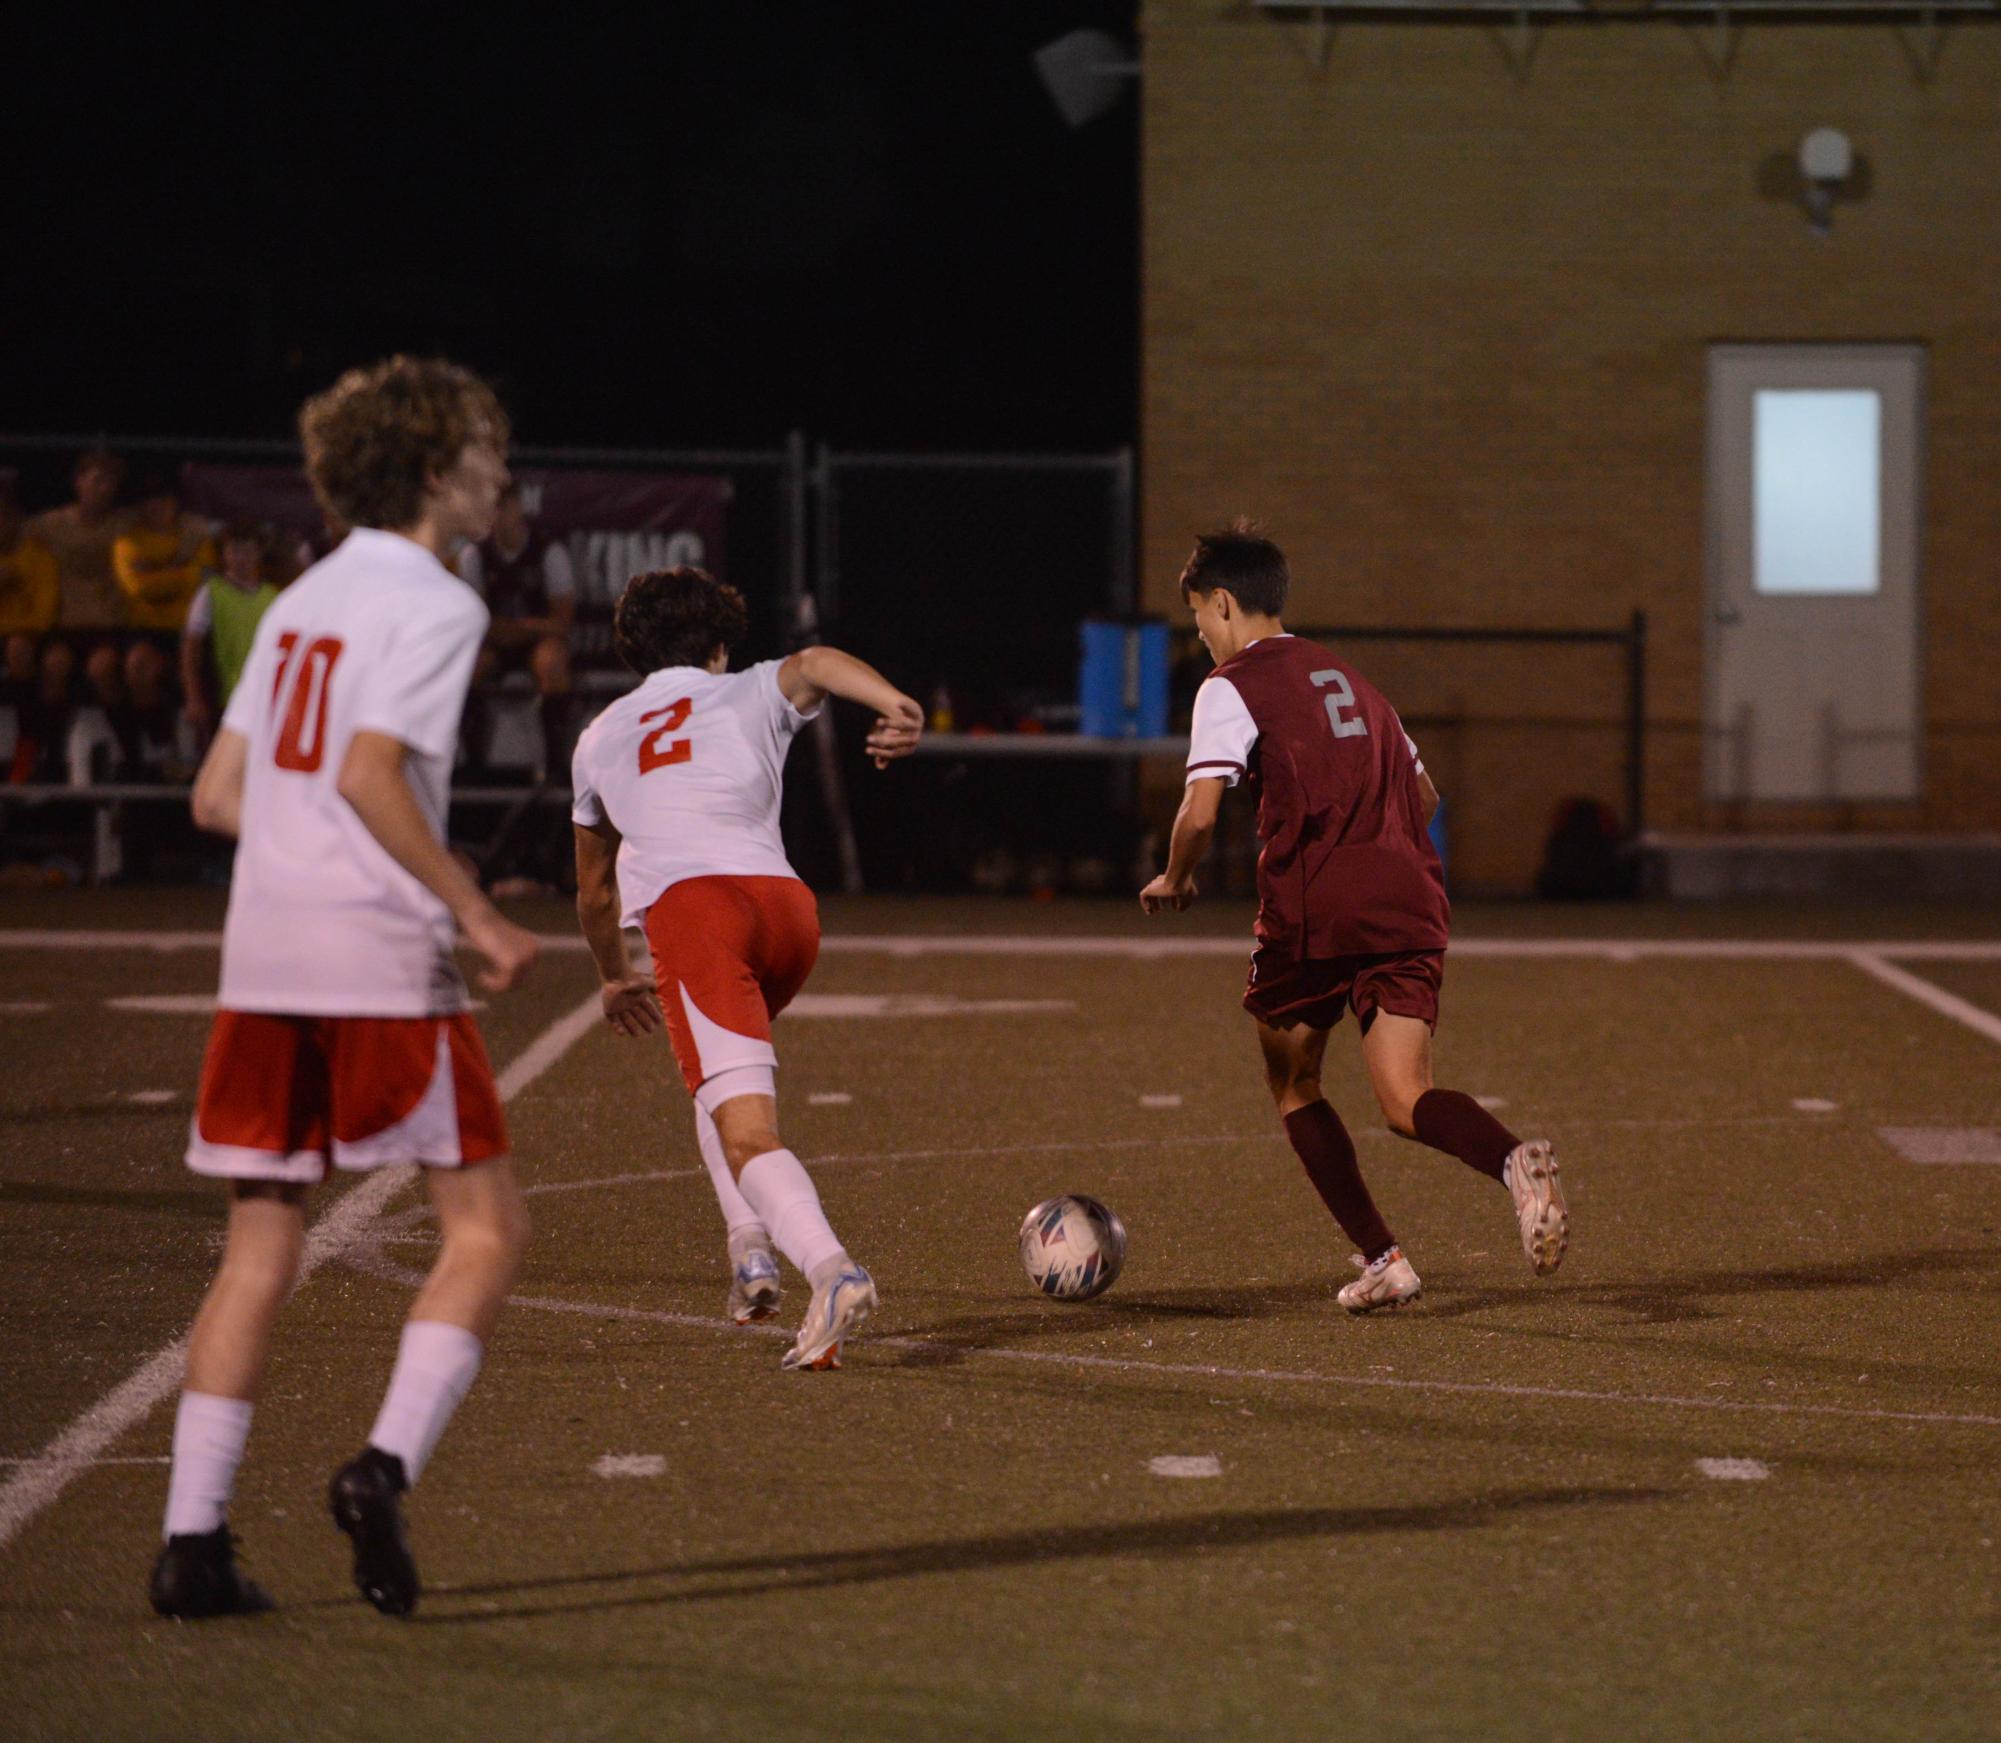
{"points": [[729, 954], [1285, 991], [281, 1096]]}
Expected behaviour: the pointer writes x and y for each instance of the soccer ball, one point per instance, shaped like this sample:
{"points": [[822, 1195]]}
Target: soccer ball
{"points": [[1072, 1247]]}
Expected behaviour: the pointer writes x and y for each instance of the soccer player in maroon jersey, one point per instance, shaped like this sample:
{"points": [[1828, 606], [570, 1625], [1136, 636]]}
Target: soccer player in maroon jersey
{"points": [[1351, 903]]}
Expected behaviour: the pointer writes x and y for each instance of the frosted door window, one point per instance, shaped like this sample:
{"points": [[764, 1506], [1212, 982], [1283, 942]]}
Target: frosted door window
{"points": [[1817, 484]]}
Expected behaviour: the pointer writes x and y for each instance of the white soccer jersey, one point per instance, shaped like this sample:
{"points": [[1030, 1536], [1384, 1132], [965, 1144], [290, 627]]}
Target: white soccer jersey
{"points": [[689, 769], [377, 637]]}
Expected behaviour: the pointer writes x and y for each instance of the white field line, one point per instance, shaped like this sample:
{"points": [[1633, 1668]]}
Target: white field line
{"points": [[1085, 944], [379, 1265], [1607, 949], [148, 1459], [1981, 1022], [35, 1484]]}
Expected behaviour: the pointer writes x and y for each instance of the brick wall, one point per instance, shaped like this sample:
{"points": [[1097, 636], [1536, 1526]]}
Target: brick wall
{"points": [[1444, 326]]}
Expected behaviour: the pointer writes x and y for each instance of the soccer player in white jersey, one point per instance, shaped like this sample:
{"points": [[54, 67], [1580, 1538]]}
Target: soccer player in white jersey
{"points": [[343, 1033], [677, 788]]}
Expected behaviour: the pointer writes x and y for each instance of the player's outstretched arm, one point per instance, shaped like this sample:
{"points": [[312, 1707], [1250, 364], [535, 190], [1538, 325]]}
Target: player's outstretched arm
{"points": [[812, 674], [373, 782], [631, 1004], [217, 801], [1194, 829]]}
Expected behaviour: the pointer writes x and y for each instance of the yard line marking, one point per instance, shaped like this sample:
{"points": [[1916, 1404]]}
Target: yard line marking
{"points": [[165, 1004], [1160, 1101], [1610, 949], [1934, 1146], [1186, 1465], [550, 1046], [631, 1465], [153, 1098], [1114, 944], [368, 1258], [148, 1459], [1813, 1104], [854, 1005], [613, 1180], [35, 1484], [59, 938], [829, 1098], [1870, 962], [374, 1264], [1734, 1470]]}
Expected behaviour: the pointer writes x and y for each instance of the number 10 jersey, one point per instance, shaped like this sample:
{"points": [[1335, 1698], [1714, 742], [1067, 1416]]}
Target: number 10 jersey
{"points": [[689, 769], [377, 637]]}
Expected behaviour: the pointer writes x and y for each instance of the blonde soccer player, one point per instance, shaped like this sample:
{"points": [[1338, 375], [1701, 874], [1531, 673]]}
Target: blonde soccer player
{"points": [[677, 791], [343, 1035]]}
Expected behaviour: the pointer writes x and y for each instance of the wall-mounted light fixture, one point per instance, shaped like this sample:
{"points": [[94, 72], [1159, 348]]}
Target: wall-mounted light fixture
{"points": [[1824, 170]]}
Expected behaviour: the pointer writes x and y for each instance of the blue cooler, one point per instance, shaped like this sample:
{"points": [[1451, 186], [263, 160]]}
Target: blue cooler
{"points": [[1122, 679]]}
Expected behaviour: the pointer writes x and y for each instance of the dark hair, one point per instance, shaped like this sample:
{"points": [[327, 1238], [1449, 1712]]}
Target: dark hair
{"points": [[375, 438], [1242, 562], [677, 617]]}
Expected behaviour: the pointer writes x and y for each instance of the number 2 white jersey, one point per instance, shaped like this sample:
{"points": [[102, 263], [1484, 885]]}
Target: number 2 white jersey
{"points": [[377, 637], [689, 769]]}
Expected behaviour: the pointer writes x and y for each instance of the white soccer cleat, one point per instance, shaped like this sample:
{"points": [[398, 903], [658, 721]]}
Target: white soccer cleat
{"points": [[847, 1300], [754, 1286], [1539, 1208], [1385, 1282]]}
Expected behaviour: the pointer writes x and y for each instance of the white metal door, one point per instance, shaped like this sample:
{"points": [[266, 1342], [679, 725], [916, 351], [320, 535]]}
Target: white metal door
{"points": [[1813, 677]]}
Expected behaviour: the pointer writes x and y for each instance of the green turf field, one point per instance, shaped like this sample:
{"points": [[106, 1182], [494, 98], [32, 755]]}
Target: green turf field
{"points": [[1487, 1518]]}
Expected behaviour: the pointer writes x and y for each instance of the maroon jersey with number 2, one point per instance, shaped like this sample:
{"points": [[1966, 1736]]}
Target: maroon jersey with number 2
{"points": [[1346, 866]]}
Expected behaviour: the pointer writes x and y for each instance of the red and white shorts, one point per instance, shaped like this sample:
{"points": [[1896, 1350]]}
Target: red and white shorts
{"points": [[730, 953], [282, 1096]]}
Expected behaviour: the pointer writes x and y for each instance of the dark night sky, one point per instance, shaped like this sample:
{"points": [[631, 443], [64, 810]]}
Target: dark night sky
{"points": [[697, 225]]}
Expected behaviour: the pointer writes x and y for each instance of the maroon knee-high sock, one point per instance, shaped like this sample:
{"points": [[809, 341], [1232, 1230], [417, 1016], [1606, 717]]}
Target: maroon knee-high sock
{"points": [[1457, 1124], [1324, 1146]]}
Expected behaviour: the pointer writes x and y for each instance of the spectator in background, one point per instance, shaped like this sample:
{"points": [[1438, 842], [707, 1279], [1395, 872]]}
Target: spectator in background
{"points": [[159, 561], [530, 589], [28, 592], [222, 620], [89, 609]]}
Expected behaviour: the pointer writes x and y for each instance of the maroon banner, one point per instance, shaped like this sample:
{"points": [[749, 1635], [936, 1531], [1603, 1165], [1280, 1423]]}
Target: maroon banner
{"points": [[614, 523]]}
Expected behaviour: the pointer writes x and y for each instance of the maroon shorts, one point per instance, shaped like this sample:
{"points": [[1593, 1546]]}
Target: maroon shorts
{"points": [[1285, 991]]}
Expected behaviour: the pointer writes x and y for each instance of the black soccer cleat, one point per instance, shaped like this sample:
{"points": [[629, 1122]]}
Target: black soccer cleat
{"points": [[366, 1497], [197, 1577]]}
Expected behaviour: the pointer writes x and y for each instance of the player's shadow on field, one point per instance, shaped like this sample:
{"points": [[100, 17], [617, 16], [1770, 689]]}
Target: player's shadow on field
{"points": [[1690, 1295], [1141, 1540], [947, 1339]]}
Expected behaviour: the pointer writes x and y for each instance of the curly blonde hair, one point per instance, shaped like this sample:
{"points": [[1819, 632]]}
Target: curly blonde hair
{"points": [[375, 439]]}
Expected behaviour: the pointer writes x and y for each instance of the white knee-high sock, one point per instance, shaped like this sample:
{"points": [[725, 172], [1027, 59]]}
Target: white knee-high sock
{"points": [[781, 1192], [742, 1222], [209, 1435], [435, 1366]]}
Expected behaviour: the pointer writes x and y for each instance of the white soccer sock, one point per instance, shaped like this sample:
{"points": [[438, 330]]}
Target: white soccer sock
{"points": [[435, 1365], [781, 1192], [209, 1435], [741, 1221]]}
